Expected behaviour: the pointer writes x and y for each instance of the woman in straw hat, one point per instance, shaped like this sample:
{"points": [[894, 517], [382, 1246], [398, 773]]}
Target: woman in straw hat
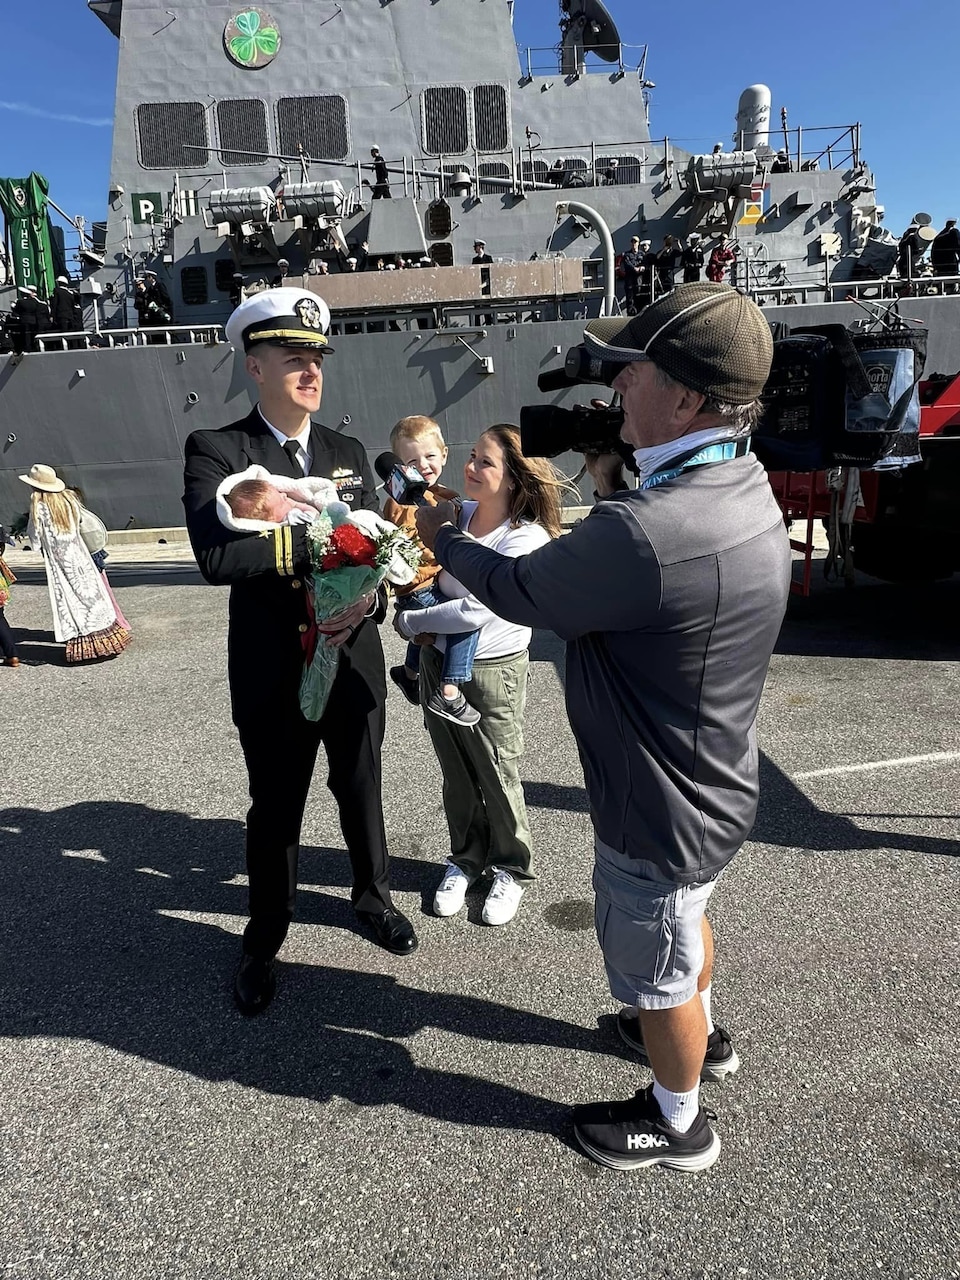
{"points": [[85, 615]]}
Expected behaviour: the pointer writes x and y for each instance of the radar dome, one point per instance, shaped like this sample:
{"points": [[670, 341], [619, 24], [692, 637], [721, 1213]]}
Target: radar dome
{"points": [[753, 118]]}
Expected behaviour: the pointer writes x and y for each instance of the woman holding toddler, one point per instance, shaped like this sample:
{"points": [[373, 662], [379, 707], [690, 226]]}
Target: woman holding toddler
{"points": [[512, 504]]}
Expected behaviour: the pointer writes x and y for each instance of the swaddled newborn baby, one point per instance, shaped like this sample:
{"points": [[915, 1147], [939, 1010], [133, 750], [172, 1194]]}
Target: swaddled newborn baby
{"points": [[261, 500], [255, 500]]}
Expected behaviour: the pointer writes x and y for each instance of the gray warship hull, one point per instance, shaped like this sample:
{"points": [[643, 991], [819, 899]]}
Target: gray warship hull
{"points": [[118, 431]]}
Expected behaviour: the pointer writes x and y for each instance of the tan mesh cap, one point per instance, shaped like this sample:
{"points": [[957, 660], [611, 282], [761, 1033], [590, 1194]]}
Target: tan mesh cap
{"points": [[708, 336]]}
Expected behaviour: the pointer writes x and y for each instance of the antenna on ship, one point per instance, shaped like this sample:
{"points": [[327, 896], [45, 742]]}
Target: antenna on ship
{"points": [[586, 27]]}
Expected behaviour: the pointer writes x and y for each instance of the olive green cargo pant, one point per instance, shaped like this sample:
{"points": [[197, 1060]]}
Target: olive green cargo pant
{"points": [[482, 792]]}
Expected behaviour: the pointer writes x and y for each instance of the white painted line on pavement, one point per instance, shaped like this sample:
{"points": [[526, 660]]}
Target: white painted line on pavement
{"points": [[934, 757]]}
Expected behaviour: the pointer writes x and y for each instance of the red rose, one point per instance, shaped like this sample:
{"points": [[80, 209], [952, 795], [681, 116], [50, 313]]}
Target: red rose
{"points": [[348, 546]]}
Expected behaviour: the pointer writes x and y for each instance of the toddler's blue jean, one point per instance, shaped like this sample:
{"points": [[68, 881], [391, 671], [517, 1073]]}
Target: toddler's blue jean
{"points": [[461, 647]]}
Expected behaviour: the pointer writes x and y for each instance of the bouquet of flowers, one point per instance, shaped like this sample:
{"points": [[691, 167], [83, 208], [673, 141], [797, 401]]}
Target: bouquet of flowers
{"points": [[353, 552]]}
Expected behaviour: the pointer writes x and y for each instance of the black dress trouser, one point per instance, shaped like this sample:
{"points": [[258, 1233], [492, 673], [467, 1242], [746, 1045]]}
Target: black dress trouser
{"points": [[280, 757], [8, 648]]}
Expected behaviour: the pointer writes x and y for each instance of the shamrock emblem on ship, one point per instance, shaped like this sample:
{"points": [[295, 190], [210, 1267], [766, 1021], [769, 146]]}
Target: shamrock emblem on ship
{"points": [[252, 38]]}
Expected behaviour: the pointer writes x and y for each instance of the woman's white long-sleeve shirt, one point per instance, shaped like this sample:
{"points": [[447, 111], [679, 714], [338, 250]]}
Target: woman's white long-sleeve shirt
{"points": [[464, 612]]}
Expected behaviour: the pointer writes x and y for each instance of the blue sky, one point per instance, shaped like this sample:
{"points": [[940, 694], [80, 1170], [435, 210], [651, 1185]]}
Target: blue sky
{"points": [[892, 66]]}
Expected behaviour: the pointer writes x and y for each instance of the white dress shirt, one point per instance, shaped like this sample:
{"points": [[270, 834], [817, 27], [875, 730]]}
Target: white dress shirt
{"points": [[302, 441]]}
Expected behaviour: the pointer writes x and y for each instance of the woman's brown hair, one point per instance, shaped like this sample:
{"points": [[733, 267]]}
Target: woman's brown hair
{"points": [[538, 485]]}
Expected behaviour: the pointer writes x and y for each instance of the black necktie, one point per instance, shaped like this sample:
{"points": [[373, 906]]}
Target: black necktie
{"points": [[290, 449]]}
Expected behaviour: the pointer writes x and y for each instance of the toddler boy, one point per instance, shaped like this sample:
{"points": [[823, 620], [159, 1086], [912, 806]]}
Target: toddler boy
{"points": [[417, 441]]}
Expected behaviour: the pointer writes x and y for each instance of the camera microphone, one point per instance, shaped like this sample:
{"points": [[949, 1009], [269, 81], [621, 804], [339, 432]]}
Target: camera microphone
{"points": [[404, 484], [554, 380], [579, 367]]}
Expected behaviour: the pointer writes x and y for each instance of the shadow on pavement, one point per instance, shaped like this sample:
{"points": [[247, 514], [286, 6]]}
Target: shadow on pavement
{"points": [[786, 817], [875, 620], [95, 947], [789, 818], [129, 573], [37, 648]]}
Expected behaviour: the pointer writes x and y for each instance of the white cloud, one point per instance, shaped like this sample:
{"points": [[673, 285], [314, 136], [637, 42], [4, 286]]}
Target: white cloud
{"points": [[25, 109]]}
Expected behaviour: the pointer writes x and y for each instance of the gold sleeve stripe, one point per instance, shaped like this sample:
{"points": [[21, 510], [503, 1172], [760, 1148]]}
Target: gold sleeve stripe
{"points": [[288, 551], [278, 549]]}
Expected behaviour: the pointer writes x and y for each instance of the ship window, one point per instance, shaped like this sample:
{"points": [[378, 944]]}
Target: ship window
{"points": [[242, 124], [445, 121], [173, 135], [193, 286], [224, 270], [492, 169], [628, 171], [442, 255], [575, 164], [316, 127], [439, 220], [490, 117]]}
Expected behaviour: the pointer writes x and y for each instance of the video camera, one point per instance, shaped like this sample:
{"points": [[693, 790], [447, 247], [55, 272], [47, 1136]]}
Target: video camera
{"points": [[546, 430], [833, 398]]}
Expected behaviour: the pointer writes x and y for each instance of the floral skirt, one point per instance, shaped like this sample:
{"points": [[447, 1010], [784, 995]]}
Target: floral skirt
{"points": [[109, 643]]}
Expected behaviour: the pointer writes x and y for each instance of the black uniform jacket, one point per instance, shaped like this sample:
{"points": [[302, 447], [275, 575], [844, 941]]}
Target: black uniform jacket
{"points": [[267, 572], [33, 313], [62, 303]]}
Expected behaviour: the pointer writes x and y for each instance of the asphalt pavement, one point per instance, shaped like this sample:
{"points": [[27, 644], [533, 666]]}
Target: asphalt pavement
{"points": [[409, 1118]]}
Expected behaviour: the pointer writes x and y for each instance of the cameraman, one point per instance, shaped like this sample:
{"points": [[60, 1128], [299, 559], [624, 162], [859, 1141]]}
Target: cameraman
{"points": [[671, 597]]}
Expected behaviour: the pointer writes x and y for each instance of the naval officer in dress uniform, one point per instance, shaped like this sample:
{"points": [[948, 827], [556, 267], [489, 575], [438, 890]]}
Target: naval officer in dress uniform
{"points": [[283, 333]]}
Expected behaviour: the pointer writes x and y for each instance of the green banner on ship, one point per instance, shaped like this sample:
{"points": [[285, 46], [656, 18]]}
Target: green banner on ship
{"points": [[23, 202]]}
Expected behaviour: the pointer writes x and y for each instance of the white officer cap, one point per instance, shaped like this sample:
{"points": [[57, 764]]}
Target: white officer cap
{"points": [[283, 317], [62, 280]]}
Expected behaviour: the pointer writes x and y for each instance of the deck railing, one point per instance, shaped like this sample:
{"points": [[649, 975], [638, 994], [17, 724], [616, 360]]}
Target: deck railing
{"points": [[490, 311], [585, 163], [545, 60], [162, 335]]}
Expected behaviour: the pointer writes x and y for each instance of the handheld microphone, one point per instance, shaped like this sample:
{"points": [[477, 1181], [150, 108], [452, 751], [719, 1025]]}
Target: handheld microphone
{"points": [[405, 485]]}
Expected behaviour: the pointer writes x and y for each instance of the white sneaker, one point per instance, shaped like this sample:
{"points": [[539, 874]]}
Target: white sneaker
{"points": [[503, 898], [451, 891]]}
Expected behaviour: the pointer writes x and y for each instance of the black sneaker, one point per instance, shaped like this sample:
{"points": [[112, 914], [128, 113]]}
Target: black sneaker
{"points": [[634, 1135], [721, 1059], [409, 686], [457, 711]]}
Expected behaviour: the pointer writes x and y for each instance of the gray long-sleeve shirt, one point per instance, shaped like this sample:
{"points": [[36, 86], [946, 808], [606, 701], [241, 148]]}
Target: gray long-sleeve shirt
{"points": [[671, 601]]}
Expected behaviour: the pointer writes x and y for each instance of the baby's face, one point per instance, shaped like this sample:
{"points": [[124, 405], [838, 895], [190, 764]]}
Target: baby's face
{"points": [[426, 454], [277, 506]]}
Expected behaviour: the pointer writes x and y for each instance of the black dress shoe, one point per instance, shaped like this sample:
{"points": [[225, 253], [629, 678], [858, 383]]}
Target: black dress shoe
{"points": [[255, 984], [392, 930]]}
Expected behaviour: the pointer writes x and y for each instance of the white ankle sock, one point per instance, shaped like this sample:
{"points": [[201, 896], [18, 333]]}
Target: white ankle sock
{"points": [[705, 1001], [679, 1109]]}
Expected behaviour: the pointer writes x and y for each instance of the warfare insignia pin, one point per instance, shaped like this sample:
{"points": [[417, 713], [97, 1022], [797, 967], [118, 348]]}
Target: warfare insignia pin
{"points": [[309, 313]]}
